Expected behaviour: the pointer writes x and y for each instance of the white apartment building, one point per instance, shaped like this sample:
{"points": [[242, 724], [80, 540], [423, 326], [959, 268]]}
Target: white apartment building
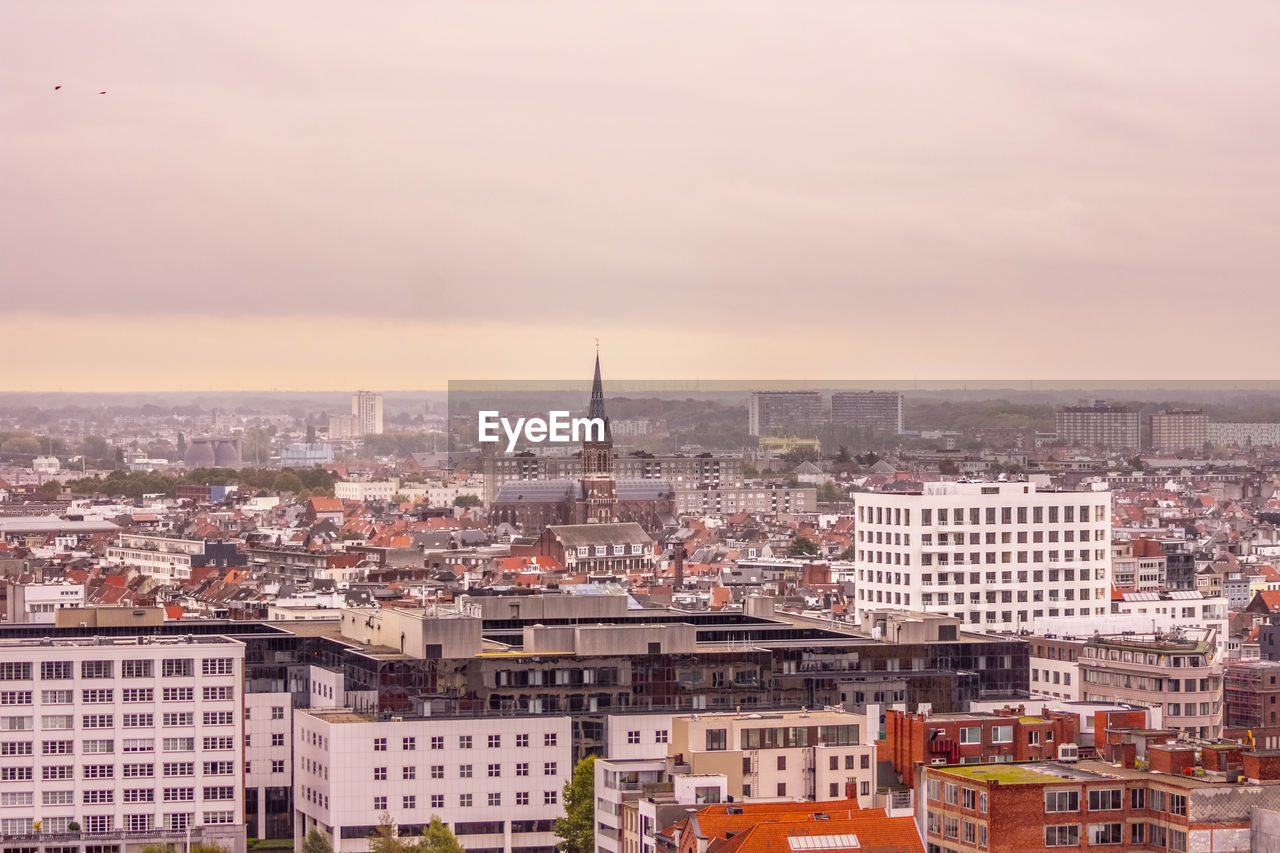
{"points": [[371, 490], [39, 603], [792, 755], [367, 408], [110, 744], [997, 555], [1240, 435], [156, 556], [496, 782], [635, 755]]}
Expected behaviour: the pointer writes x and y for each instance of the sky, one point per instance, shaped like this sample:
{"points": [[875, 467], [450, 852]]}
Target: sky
{"points": [[321, 195]]}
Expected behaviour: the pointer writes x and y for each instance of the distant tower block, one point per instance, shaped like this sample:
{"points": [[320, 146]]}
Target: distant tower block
{"points": [[366, 406]]}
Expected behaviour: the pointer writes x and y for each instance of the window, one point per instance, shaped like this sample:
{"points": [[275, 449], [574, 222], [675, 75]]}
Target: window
{"points": [[51, 670], [464, 741], [380, 804], [179, 744], [216, 694], [277, 739], [971, 734], [139, 771], [1002, 734], [97, 697], [219, 718], [969, 798], [177, 668], [1178, 804], [56, 697], [411, 772], [140, 721], [1062, 836], [15, 798], [219, 768], [15, 774], [409, 801], [495, 798], [1106, 833], [522, 798], [98, 797], [717, 739], [409, 744], [661, 736], [139, 795], [15, 697], [56, 747], [1106, 799], [549, 739], [136, 669], [99, 823], [216, 817], [58, 798], [138, 694], [178, 694], [550, 798], [99, 771], [57, 771], [464, 771], [379, 774], [179, 768], [15, 747], [96, 669], [437, 742], [1061, 801], [522, 769], [495, 741], [495, 770], [277, 765], [379, 744], [633, 736], [217, 666], [951, 794], [464, 801]]}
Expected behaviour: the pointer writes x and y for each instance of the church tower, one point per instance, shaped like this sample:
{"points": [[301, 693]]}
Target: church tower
{"points": [[598, 484]]}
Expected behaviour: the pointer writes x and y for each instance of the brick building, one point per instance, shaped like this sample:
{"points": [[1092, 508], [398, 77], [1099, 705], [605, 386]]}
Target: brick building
{"points": [[1251, 702], [1006, 736], [1178, 804]]}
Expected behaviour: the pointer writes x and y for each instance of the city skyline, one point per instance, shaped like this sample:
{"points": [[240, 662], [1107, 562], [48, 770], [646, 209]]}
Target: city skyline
{"points": [[904, 191]]}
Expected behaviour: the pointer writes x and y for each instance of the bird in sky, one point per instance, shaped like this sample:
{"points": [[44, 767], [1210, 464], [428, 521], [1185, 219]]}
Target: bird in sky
{"points": [[102, 93], [56, 88]]}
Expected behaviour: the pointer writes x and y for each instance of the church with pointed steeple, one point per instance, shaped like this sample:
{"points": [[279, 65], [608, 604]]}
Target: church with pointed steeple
{"points": [[596, 497]]}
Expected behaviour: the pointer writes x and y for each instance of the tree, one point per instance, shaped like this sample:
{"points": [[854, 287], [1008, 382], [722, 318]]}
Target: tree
{"points": [[576, 829], [286, 481], [26, 445], [829, 493], [803, 546], [843, 456], [436, 838], [386, 837], [314, 842], [311, 433], [467, 501], [849, 553]]}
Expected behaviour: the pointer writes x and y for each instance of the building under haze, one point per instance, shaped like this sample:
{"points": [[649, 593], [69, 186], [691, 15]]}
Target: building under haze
{"points": [[1179, 429], [1099, 425], [877, 410], [366, 406], [785, 413]]}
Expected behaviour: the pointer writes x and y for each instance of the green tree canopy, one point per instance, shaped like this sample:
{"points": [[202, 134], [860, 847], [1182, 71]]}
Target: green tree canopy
{"points": [[316, 842], [803, 546], [467, 501], [576, 829], [287, 481]]}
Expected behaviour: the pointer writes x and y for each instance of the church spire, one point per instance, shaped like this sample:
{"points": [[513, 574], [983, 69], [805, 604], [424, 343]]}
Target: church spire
{"points": [[597, 400]]}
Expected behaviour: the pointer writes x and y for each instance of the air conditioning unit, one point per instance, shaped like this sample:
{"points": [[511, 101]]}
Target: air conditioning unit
{"points": [[1068, 753], [938, 762]]}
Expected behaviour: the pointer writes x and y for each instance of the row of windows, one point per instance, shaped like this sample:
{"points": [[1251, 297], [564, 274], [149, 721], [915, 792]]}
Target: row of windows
{"points": [[493, 798], [464, 741], [173, 821], [549, 768], [96, 747], [52, 670], [107, 695]]}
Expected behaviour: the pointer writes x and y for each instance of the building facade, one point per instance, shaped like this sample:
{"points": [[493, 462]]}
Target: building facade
{"points": [[996, 555], [1099, 425], [496, 782], [1177, 672], [1179, 429], [876, 410], [366, 407], [782, 413], [118, 743]]}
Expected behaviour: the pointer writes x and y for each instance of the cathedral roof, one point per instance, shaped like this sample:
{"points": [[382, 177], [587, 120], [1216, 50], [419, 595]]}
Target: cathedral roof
{"points": [[539, 491], [580, 535]]}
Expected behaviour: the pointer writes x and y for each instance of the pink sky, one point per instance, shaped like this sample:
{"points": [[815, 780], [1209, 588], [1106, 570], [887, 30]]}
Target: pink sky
{"points": [[324, 195]]}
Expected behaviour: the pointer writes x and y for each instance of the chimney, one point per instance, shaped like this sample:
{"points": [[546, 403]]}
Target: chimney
{"points": [[677, 559]]}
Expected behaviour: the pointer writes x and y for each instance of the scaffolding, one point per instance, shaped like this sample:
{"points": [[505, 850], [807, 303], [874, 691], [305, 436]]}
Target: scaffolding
{"points": [[1245, 687]]}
